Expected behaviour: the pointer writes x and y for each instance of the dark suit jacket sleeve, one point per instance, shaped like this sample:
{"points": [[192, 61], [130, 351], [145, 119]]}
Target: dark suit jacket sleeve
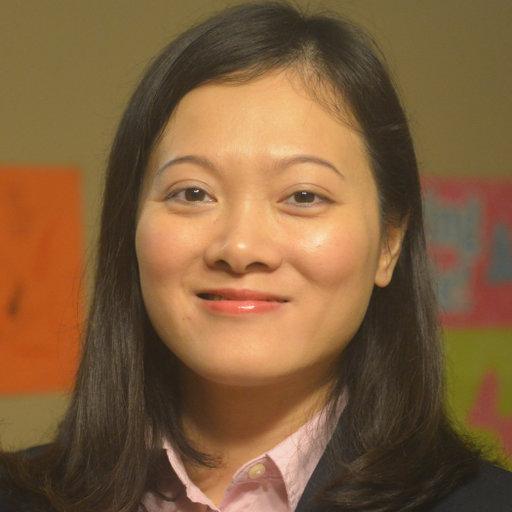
{"points": [[13, 501], [20, 504], [490, 491], [4, 505]]}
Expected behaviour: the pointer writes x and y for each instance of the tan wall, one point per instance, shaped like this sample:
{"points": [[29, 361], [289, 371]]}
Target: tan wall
{"points": [[67, 68]]}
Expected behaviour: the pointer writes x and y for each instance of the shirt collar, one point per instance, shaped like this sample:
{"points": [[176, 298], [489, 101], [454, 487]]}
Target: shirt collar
{"points": [[295, 458]]}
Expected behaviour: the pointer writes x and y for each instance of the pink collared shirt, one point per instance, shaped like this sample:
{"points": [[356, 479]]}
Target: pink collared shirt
{"points": [[273, 481]]}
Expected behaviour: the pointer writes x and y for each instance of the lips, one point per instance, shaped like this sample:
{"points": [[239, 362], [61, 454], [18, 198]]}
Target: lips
{"points": [[239, 295]]}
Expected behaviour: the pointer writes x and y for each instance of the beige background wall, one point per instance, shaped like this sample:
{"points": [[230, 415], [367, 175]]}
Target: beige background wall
{"points": [[67, 68]]}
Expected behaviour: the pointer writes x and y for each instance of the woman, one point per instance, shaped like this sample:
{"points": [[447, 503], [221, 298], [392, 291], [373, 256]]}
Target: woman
{"points": [[263, 333]]}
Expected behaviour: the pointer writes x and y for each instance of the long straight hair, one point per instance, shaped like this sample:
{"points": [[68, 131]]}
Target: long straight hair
{"points": [[396, 449]]}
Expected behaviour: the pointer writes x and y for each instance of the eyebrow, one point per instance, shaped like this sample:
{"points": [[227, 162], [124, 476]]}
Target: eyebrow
{"points": [[279, 164]]}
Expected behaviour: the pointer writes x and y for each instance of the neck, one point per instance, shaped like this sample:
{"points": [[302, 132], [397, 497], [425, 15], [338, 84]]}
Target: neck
{"points": [[239, 422]]}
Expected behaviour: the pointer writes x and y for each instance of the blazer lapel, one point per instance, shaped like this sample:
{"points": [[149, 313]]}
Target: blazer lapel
{"points": [[320, 477]]}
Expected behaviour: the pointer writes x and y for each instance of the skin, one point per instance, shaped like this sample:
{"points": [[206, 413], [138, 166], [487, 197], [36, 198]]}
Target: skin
{"points": [[252, 380]]}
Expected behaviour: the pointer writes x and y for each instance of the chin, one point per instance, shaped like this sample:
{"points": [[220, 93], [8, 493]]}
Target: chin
{"points": [[241, 376]]}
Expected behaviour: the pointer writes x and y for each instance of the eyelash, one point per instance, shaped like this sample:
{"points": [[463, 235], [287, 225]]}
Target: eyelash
{"points": [[323, 199]]}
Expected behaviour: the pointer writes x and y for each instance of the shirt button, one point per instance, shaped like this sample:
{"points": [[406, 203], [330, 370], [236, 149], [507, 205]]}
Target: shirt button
{"points": [[257, 470]]}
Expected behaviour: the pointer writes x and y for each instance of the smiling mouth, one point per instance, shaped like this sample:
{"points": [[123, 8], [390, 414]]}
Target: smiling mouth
{"points": [[211, 296]]}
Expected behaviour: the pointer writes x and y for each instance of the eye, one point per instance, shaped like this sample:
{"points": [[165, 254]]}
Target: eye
{"points": [[188, 195], [301, 198], [306, 198]]}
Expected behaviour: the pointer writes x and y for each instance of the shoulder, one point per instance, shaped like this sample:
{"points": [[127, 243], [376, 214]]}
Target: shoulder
{"points": [[11, 501], [7, 503], [11, 498], [489, 491]]}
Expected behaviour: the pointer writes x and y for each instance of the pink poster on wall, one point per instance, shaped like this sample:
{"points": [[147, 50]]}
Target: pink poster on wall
{"points": [[469, 232]]}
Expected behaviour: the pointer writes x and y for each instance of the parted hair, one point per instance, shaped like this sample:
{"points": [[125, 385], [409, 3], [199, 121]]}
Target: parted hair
{"points": [[396, 448]]}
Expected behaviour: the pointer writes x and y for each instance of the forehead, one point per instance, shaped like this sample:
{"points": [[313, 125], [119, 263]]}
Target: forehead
{"points": [[271, 116]]}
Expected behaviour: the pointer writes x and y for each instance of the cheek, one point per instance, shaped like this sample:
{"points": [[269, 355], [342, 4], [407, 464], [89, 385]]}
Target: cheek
{"points": [[161, 248], [336, 253], [338, 264]]}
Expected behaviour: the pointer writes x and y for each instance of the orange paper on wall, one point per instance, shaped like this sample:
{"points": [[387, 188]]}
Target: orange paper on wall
{"points": [[41, 247]]}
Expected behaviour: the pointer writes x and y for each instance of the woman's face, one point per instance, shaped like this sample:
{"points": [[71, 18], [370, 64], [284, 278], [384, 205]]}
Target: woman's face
{"points": [[287, 206]]}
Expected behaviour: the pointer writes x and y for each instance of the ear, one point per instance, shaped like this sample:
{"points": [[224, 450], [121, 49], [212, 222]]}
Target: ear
{"points": [[390, 251]]}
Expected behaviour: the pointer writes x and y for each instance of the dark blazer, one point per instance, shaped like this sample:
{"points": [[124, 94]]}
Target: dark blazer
{"points": [[489, 491]]}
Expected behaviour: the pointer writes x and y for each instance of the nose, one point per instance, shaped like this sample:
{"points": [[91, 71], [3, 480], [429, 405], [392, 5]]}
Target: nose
{"points": [[244, 240]]}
